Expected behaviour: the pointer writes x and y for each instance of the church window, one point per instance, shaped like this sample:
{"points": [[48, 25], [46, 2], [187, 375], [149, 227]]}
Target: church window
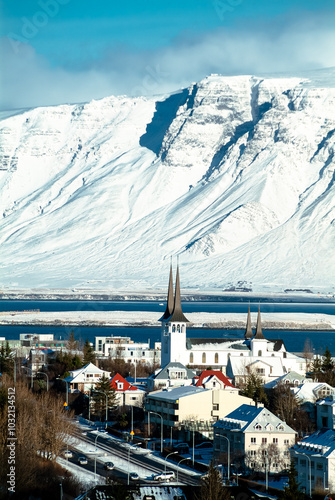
{"points": [[241, 354], [183, 328], [204, 357], [174, 328], [259, 353], [284, 354], [191, 357], [216, 357], [178, 328]]}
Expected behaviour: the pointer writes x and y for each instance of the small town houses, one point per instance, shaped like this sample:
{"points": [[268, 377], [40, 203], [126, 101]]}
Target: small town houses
{"points": [[256, 437]]}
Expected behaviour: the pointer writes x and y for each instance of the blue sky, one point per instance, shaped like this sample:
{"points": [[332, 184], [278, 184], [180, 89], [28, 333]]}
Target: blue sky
{"points": [[56, 51]]}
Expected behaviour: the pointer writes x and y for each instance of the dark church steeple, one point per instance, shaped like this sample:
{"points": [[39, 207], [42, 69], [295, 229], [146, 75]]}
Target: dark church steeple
{"points": [[177, 313], [169, 305], [248, 331], [259, 334]]}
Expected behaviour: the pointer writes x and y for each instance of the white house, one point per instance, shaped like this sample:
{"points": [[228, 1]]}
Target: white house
{"points": [[85, 379], [250, 433], [127, 349]]}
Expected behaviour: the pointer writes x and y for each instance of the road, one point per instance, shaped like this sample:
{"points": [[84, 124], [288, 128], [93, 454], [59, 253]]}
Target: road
{"points": [[123, 451]]}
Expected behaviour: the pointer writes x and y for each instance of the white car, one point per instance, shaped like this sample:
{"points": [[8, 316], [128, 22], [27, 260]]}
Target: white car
{"points": [[82, 460], [68, 454], [164, 476]]}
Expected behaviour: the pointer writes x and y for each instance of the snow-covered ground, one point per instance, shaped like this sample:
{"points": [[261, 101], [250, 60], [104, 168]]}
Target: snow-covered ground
{"points": [[234, 174], [147, 318]]}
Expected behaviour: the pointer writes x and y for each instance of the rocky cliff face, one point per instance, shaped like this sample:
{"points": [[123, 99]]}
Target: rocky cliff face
{"points": [[236, 175]]}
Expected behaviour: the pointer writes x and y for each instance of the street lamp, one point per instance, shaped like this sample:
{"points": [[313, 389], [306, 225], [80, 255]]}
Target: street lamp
{"points": [[310, 473], [106, 396], [180, 461], [47, 379], [161, 426], [228, 456], [172, 453], [136, 444], [95, 456]]}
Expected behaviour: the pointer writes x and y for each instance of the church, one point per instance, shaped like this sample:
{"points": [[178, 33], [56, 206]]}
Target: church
{"points": [[234, 357]]}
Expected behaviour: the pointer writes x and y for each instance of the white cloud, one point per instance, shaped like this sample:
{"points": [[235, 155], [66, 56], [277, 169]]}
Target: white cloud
{"points": [[29, 80]]}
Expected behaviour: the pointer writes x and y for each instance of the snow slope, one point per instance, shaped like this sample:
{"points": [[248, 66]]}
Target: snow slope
{"points": [[234, 174]]}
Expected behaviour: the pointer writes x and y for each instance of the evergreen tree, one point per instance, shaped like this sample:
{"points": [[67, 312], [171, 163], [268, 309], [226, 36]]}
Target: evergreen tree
{"points": [[327, 363], [6, 363], [89, 354], [254, 389], [291, 491], [212, 487], [102, 389], [72, 343]]}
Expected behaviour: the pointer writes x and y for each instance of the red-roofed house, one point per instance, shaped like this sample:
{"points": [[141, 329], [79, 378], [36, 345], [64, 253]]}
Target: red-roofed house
{"points": [[214, 379], [126, 394]]}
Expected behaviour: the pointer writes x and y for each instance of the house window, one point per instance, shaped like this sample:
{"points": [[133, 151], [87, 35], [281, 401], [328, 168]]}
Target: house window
{"points": [[260, 371], [275, 440], [264, 440], [319, 466], [204, 357], [191, 357], [215, 407], [286, 441], [253, 440], [252, 453], [258, 427], [216, 357], [259, 353], [284, 354]]}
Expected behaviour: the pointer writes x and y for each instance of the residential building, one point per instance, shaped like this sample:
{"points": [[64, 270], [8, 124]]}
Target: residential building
{"points": [[190, 405], [85, 379], [292, 379], [126, 393], [255, 435], [214, 379], [38, 359], [309, 393], [171, 375], [314, 458], [325, 413], [127, 349]]}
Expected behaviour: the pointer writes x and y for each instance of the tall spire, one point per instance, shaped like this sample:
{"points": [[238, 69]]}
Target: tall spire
{"points": [[248, 330], [177, 313], [259, 333], [169, 305]]}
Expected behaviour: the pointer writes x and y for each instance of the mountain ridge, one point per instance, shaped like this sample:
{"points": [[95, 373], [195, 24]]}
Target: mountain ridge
{"points": [[234, 174]]}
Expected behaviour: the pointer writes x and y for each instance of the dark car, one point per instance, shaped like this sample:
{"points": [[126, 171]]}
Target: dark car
{"points": [[109, 466]]}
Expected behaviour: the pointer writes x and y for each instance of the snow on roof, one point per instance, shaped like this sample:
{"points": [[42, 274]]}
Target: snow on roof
{"points": [[246, 417], [321, 442], [239, 364], [177, 392], [308, 392], [79, 375], [206, 375]]}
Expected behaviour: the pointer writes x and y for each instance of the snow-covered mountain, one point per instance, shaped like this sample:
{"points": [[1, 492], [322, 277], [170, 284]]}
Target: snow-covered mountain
{"points": [[233, 174]]}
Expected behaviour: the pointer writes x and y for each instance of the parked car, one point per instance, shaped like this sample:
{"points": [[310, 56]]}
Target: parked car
{"points": [[68, 454], [109, 466], [182, 448], [82, 460], [134, 476], [164, 476], [205, 445]]}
